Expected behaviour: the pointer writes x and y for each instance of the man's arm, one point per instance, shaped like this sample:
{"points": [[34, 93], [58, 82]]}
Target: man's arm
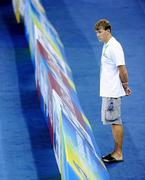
{"points": [[124, 79]]}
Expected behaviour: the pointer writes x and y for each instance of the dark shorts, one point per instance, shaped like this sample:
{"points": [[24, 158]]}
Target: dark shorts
{"points": [[111, 110]]}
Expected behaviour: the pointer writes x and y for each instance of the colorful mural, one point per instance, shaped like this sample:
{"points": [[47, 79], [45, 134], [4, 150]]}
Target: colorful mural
{"points": [[76, 152]]}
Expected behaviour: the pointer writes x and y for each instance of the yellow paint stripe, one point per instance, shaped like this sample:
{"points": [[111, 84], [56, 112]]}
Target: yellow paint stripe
{"points": [[86, 120]]}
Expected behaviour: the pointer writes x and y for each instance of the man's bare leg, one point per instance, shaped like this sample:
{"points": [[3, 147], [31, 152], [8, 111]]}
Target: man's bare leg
{"points": [[117, 131]]}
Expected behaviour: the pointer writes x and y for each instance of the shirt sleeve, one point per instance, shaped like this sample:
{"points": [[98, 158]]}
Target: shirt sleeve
{"points": [[118, 55]]}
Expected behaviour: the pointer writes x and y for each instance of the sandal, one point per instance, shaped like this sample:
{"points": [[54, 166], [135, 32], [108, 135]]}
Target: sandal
{"points": [[110, 159]]}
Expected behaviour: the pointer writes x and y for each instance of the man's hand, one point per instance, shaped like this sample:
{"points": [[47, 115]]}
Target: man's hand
{"points": [[126, 89]]}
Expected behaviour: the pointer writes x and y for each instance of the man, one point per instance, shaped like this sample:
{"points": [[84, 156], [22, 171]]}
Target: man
{"points": [[113, 85]]}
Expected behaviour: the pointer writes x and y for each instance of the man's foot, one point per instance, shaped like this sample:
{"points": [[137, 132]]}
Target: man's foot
{"points": [[110, 159]]}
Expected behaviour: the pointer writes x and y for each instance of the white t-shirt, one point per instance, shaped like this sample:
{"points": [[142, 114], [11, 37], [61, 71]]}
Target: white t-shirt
{"points": [[112, 57]]}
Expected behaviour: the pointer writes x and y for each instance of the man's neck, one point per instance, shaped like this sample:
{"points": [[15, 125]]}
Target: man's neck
{"points": [[108, 38]]}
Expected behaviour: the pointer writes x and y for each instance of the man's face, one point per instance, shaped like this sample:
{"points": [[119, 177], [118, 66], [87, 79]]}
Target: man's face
{"points": [[102, 35]]}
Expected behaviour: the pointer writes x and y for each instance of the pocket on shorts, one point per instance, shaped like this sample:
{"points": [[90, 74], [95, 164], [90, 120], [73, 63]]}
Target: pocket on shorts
{"points": [[112, 111]]}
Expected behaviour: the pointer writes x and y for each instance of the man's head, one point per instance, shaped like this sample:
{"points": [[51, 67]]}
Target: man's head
{"points": [[103, 30]]}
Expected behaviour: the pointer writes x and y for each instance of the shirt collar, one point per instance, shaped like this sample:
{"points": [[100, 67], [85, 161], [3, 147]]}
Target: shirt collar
{"points": [[106, 44]]}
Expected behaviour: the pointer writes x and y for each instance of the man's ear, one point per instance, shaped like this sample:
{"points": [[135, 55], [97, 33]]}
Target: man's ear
{"points": [[108, 30]]}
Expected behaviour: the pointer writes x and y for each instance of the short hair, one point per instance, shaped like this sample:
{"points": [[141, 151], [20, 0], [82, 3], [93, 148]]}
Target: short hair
{"points": [[103, 23]]}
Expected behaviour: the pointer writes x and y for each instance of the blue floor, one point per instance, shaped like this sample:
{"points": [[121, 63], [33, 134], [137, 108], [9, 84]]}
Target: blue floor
{"points": [[74, 21], [25, 150]]}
